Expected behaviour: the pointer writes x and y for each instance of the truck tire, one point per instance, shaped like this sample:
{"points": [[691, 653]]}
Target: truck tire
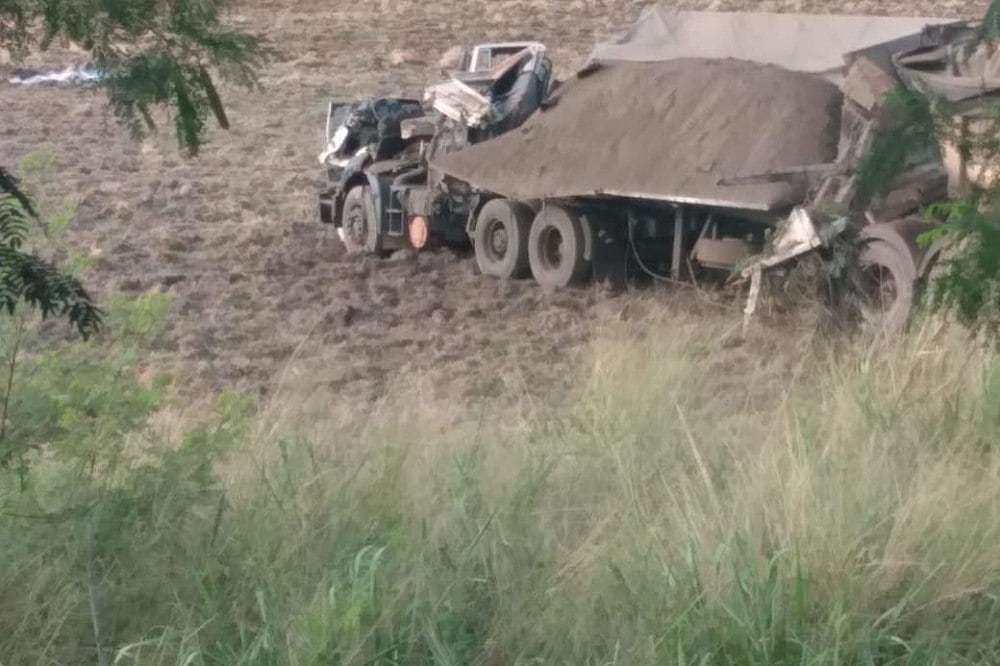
{"points": [[359, 224], [557, 247], [886, 285], [500, 239]]}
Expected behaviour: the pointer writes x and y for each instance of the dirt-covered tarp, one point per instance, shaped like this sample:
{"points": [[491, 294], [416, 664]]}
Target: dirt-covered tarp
{"points": [[814, 43], [665, 131]]}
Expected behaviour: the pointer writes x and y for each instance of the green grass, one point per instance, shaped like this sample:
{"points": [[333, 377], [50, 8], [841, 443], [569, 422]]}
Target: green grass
{"points": [[790, 501]]}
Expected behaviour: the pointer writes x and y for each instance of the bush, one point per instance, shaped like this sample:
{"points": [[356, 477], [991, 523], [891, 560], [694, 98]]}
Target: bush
{"points": [[692, 503]]}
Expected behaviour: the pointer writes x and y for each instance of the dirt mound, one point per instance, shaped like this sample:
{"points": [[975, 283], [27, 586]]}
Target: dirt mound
{"points": [[665, 130]]}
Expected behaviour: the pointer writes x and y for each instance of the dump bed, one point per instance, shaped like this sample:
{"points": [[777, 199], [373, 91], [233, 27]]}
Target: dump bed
{"points": [[668, 131]]}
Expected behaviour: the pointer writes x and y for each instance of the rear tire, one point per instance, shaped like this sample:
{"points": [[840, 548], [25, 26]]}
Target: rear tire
{"points": [[358, 224], [557, 247], [500, 239], [886, 288]]}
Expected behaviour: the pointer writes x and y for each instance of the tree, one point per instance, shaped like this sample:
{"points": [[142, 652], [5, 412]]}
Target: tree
{"points": [[151, 53], [968, 282]]}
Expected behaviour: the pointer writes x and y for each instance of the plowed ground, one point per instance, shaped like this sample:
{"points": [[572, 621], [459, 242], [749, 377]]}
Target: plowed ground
{"points": [[262, 290]]}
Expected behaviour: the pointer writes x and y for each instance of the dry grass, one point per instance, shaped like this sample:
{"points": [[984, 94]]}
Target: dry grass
{"points": [[690, 501], [468, 473]]}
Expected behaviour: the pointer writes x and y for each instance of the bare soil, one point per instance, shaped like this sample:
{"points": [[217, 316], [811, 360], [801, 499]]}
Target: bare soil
{"points": [[263, 291]]}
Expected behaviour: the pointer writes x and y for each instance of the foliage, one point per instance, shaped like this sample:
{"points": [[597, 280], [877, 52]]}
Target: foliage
{"points": [[991, 22], [969, 234], [77, 402], [151, 54], [970, 280], [911, 131], [25, 277], [836, 509]]}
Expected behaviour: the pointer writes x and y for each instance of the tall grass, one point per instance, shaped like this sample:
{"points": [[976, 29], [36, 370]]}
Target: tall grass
{"points": [[791, 500]]}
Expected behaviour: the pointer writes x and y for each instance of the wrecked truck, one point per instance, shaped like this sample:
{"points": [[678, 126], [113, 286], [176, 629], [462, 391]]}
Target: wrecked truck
{"points": [[382, 195], [702, 143], [681, 152]]}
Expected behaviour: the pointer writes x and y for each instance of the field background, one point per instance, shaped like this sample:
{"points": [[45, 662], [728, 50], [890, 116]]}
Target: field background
{"points": [[233, 235], [278, 455]]}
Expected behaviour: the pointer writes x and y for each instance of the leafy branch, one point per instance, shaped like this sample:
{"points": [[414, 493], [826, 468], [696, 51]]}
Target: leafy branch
{"points": [[151, 53], [27, 278], [968, 282]]}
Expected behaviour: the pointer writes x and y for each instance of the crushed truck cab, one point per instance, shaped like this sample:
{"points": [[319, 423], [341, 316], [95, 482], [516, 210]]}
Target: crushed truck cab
{"points": [[382, 193]]}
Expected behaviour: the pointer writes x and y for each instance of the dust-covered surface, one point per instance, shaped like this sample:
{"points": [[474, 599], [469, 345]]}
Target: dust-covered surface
{"points": [[669, 130], [263, 291]]}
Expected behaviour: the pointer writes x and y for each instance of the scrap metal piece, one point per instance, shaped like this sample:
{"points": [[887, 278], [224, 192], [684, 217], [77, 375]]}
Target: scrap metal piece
{"points": [[721, 253], [756, 277], [798, 235], [866, 84], [459, 102], [959, 66], [411, 128], [519, 83]]}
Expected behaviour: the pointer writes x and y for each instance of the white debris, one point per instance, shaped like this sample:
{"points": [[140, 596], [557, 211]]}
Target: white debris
{"points": [[73, 75]]}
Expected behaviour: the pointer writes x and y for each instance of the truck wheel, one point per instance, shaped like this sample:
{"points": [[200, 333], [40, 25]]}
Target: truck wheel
{"points": [[359, 226], [557, 247], [501, 239], [885, 286]]}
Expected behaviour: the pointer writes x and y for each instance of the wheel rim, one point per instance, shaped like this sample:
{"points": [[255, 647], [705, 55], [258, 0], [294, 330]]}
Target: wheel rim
{"points": [[497, 240], [550, 245], [878, 290], [356, 226]]}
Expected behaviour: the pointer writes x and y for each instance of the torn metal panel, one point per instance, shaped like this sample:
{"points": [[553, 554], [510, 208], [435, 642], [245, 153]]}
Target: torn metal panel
{"points": [[955, 64], [796, 236], [723, 253], [866, 84], [412, 128], [517, 86], [459, 102]]}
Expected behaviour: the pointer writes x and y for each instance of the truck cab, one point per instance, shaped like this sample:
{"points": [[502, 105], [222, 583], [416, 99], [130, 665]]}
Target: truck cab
{"points": [[382, 194]]}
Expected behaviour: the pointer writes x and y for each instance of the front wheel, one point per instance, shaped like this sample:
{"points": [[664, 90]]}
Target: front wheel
{"points": [[358, 229]]}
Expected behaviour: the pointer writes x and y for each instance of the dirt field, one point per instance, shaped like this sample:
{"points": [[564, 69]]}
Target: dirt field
{"points": [[260, 285]]}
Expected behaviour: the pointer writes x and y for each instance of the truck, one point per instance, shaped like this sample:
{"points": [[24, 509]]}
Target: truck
{"points": [[677, 153]]}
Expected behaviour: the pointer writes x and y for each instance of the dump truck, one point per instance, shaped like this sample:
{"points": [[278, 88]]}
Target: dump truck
{"points": [[704, 144]]}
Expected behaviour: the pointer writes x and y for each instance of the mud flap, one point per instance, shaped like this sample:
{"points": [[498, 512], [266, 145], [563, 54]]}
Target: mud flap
{"points": [[609, 254], [326, 208]]}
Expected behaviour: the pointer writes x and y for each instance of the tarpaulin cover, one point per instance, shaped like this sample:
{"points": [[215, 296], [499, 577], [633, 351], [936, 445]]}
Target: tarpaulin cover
{"points": [[667, 131], [813, 43]]}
